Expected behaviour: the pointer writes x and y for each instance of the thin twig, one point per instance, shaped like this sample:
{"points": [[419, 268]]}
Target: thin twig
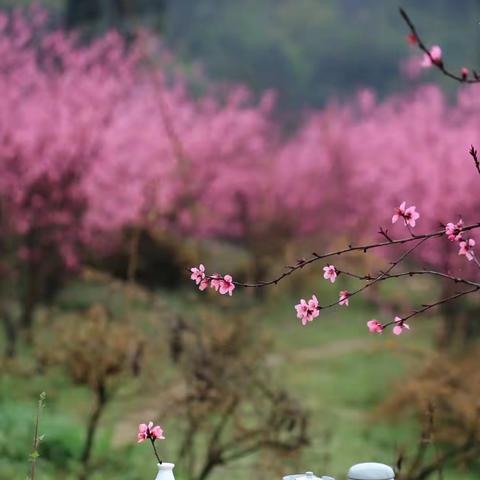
{"points": [[435, 304], [438, 64], [36, 437], [474, 154], [155, 450]]}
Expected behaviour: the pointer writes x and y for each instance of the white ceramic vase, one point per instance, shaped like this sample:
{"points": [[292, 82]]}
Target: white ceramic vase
{"points": [[165, 471]]}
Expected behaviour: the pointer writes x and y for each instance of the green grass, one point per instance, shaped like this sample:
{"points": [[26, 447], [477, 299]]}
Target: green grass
{"points": [[339, 371]]}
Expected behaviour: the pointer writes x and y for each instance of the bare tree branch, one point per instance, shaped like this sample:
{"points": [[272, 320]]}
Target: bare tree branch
{"points": [[315, 257]]}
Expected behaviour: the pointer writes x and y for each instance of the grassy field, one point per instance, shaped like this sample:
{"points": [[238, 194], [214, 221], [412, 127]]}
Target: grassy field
{"points": [[339, 371]]}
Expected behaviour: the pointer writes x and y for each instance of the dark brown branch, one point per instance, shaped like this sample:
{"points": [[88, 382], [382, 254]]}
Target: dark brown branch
{"points": [[412, 273], [474, 154], [384, 233], [388, 276], [363, 248], [435, 304], [440, 65]]}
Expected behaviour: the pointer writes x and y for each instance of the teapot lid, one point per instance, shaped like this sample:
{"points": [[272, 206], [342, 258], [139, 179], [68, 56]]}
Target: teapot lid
{"points": [[371, 471], [305, 476]]}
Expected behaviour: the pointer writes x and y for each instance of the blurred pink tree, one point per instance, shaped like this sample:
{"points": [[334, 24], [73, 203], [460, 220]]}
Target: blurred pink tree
{"points": [[94, 139]]}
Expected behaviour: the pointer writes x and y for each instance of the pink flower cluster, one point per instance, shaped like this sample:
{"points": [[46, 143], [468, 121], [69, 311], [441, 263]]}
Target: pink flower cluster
{"points": [[221, 285], [409, 215], [454, 231], [307, 311], [466, 248], [374, 326], [455, 234], [343, 298], [149, 432]]}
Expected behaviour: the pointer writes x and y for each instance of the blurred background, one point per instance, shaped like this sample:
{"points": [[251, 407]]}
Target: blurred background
{"points": [[140, 138]]}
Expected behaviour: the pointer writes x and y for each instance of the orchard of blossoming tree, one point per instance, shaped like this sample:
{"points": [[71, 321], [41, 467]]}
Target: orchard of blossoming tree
{"points": [[360, 217], [442, 185]]}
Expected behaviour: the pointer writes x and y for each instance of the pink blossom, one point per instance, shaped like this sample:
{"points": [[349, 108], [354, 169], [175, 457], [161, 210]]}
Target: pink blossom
{"points": [[412, 39], [374, 326], [435, 57], [409, 215], [157, 432], [464, 73], [343, 298], [226, 285], [216, 281], [306, 312], [399, 212], [198, 274], [466, 248], [149, 432], [400, 326], [204, 284], [454, 231], [330, 273]]}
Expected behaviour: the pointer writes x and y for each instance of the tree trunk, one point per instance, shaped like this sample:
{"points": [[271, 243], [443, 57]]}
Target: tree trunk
{"points": [[101, 401], [10, 328], [31, 297]]}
